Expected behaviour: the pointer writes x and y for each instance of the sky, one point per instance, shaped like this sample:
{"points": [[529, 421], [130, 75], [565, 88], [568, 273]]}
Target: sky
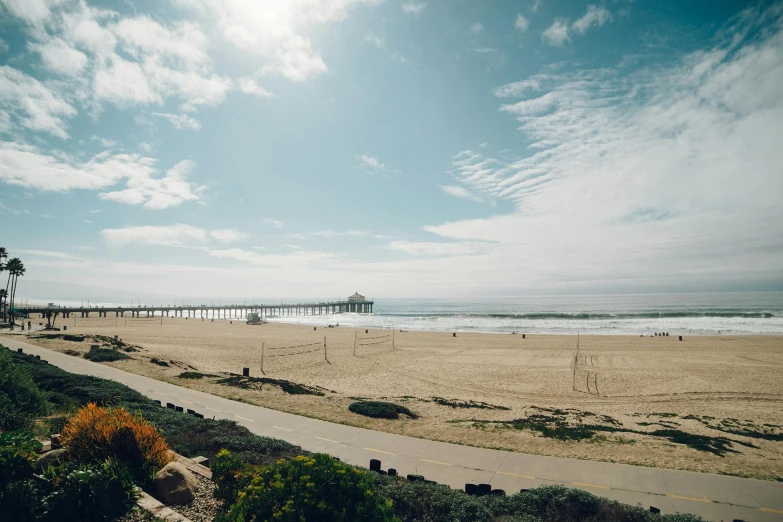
{"points": [[239, 149]]}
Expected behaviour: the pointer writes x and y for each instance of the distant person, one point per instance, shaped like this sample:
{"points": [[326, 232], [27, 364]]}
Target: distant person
{"points": [[29, 325]]}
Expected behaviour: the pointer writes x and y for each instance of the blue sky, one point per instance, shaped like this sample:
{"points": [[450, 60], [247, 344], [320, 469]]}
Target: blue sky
{"points": [[309, 148]]}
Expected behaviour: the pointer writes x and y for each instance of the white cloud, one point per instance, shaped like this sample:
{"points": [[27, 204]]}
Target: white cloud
{"points": [[250, 86], [535, 5], [49, 253], [274, 31], [25, 100], [649, 178], [105, 142], [180, 121], [557, 33], [476, 28], [375, 40], [594, 17], [28, 166], [227, 235], [436, 249], [158, 193], [329, 233], [412, 8], [398, 58], [460, 192], [61, 58], [34, 12], [371, 165], [274, 223], [296, 258], [4, 48], [521, 23], [168, 235]]}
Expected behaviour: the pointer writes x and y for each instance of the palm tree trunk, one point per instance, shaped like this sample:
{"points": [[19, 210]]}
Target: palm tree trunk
{"points": [[6, 293]]}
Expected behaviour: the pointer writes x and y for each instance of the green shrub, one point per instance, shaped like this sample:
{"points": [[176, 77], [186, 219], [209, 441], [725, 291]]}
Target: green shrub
{"points": [[92, 493], [230, 475], [20, 398], [381, 410], [159, 362], [310, 488], [105, 355], [74, 338], [20, 501], [194, 375], [185, 434]]}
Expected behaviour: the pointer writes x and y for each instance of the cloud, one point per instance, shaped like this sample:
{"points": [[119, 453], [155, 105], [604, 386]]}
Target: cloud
{"points": [[375, 40], [594, 17], [476, 28], [26, 101], [437, 249], [274, 32], [4, 48], [297, 258], [521, 23], [250, 86], [104, 142], [460, 192], [61, 58], [398, 58], [535, 5], [48, 253], [168, 235], [274, 223], [557, 33], [639, 178], [329, 233], [28, 166], [412, 8], [180, 121], [158, 193], [371, 165]]}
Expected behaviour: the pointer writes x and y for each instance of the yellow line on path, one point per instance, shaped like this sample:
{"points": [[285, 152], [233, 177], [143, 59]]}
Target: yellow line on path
{"points": [[770, 510], [327, 440], [380, 451], [281, 428], [183, 400], [515, 475], [244, 418], [691, 498], [212, 409], [436, 462], [585, 485]]}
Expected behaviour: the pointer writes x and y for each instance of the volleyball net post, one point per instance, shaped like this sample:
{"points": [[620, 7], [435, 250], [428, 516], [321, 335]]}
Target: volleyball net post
{"points": [[576, 361], [392, 339], [262, 359], [355, 338]]}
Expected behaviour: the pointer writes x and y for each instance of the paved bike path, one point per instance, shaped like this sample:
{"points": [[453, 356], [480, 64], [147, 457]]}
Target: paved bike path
{"points": [[714, 497]]}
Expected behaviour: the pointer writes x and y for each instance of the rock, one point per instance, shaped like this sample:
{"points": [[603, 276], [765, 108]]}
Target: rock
{"points": [[50, 458], [174, 484], [201, 460]]}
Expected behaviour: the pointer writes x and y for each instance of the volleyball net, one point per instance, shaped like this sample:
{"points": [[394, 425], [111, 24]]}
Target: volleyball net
{"points": [[290, 353], [372, 343]]}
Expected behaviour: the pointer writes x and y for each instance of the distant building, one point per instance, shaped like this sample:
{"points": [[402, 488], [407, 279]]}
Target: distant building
{"points": [[356, 298]]}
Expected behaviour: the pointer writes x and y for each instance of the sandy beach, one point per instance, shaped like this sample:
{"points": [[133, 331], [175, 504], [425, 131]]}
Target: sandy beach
{"points": [[643, 392]]}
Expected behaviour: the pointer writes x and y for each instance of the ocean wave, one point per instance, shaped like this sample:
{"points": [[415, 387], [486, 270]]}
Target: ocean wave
{"points": [[597, 316]]}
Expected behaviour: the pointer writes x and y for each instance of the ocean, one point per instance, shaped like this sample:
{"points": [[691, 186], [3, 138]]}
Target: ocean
{"points": [[735, 313]]}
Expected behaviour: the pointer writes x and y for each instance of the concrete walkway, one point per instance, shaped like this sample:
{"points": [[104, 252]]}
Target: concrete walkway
{"points": [[714, 497]]}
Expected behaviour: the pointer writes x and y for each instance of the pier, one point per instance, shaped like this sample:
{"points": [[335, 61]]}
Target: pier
{"points": [[233, 311]]}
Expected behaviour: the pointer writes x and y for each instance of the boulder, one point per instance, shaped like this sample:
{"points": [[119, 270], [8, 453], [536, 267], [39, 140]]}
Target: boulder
{"points": [[174, 484], [50, 458]]}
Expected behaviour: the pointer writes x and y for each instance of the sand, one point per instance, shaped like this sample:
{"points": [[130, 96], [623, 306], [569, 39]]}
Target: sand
{"points": [[641, 383]]}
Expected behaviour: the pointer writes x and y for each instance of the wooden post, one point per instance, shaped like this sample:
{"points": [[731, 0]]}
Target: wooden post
{"points": [[392, 339], [576, 361], [325, 357], [355, 336], [262, 359]]}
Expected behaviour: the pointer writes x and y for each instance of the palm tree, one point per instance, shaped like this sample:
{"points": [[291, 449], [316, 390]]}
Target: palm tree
{"points": [[4, 294], [15, 269]]}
